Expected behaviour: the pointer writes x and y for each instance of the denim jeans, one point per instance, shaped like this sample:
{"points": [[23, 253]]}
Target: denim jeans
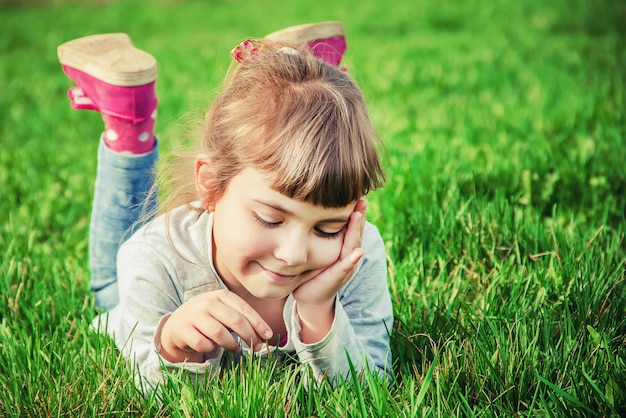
{"points": [[122, 199]]}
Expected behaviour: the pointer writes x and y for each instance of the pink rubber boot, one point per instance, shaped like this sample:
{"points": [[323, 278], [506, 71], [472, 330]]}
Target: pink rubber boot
{"points": [[327, 40], [118, 80]]}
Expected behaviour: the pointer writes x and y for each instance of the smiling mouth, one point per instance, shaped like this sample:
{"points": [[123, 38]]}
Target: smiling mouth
{"points": [[278, 277]]}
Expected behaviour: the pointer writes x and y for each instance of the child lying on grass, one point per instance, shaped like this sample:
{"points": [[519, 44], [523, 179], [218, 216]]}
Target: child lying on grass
{"points": [[267, 247]]}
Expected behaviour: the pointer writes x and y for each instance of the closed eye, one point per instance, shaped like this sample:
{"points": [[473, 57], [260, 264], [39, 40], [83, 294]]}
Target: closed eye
{"points": [[265, 223], [329, 235], [320, 232]]}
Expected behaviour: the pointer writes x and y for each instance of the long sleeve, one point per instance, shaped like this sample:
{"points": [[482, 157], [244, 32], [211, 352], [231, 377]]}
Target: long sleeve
{"points": [[149, 293], [155, 277]]}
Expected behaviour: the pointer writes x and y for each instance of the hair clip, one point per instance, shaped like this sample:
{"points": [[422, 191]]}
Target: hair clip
{"points": [[245, 51]]}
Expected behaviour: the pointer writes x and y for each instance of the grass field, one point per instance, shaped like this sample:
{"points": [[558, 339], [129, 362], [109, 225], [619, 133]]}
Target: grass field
{"points": [[504, 211]]}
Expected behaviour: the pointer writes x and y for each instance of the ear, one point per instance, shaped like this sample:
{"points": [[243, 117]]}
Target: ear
{"points": [[205, 182]]}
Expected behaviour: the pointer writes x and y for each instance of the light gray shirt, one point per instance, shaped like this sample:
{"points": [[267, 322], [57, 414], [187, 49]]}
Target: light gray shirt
{"points": [[169, 260]]}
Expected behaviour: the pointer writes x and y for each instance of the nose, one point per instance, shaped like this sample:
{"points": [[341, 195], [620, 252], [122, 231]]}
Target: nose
{"points": [[293, 248]]}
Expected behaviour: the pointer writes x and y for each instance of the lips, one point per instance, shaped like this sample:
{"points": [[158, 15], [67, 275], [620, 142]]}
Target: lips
{"points": [[279, 277]]}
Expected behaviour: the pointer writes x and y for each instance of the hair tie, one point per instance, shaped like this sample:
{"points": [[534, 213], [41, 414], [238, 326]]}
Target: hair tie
{"points": [[249, 50], [245, 51]]}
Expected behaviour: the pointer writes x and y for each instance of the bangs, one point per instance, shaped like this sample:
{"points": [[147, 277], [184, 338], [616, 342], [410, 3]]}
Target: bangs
{"points": [[325, 183], [324, 153]]}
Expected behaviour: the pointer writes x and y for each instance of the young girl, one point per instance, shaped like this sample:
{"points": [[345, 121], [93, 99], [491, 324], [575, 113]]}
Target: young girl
{"points": [[266, 248]]}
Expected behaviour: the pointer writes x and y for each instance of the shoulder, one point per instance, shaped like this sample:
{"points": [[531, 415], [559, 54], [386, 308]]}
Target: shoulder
{"points": [[171, 252], [182, 231], [372, 241]]}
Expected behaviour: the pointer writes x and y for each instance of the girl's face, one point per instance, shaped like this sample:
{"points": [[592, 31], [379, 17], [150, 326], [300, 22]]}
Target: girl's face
{"points": [[267, 244]]}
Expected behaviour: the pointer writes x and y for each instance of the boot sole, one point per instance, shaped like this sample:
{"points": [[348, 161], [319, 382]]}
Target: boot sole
{"points": [[308, 32], [111, 58]]}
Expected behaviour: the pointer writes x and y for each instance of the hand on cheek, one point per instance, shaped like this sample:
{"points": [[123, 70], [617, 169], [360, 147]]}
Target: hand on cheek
{"points": [[205, 322], [315, 298]]}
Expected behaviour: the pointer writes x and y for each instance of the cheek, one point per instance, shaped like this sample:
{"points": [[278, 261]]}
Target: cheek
{"points": [[244, 240], [231, 232], [326, 252]]}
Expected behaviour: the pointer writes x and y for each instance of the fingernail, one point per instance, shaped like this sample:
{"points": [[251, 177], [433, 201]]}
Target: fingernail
{"points": [[355, 257], [268, 334], [258, 346]]}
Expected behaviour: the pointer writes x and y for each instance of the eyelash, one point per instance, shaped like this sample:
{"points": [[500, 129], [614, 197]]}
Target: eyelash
{"points": [[320, 233], [265, 223], [328, 235]]}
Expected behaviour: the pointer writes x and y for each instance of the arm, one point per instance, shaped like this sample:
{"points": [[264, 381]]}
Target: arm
{"points": [[174, 325], [316, 298], [362, 317], [149, 292]]}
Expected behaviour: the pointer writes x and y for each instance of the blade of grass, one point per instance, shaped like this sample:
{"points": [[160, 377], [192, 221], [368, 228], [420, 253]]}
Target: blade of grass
{"points": [[564, 395]]}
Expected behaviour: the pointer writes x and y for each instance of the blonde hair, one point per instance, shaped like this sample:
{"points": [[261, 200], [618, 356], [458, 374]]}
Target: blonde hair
{"points": [[287, 113]]}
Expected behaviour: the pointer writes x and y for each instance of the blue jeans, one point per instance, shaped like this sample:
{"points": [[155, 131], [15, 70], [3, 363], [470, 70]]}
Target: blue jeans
{"points": [[122, 196]]}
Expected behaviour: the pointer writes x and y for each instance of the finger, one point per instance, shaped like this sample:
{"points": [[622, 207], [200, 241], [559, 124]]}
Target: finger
{"points": [[244, 320], [232, 320], [257, 322], [199, 343], [345, 268], [361, 206], [354, 233], [212, 330]]}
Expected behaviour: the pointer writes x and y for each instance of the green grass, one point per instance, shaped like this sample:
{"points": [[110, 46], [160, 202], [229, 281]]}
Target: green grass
{"points": [[504, 212]]}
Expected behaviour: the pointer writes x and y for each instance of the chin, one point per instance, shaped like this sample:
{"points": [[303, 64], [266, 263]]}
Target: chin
{"points": [[271, 294]]}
